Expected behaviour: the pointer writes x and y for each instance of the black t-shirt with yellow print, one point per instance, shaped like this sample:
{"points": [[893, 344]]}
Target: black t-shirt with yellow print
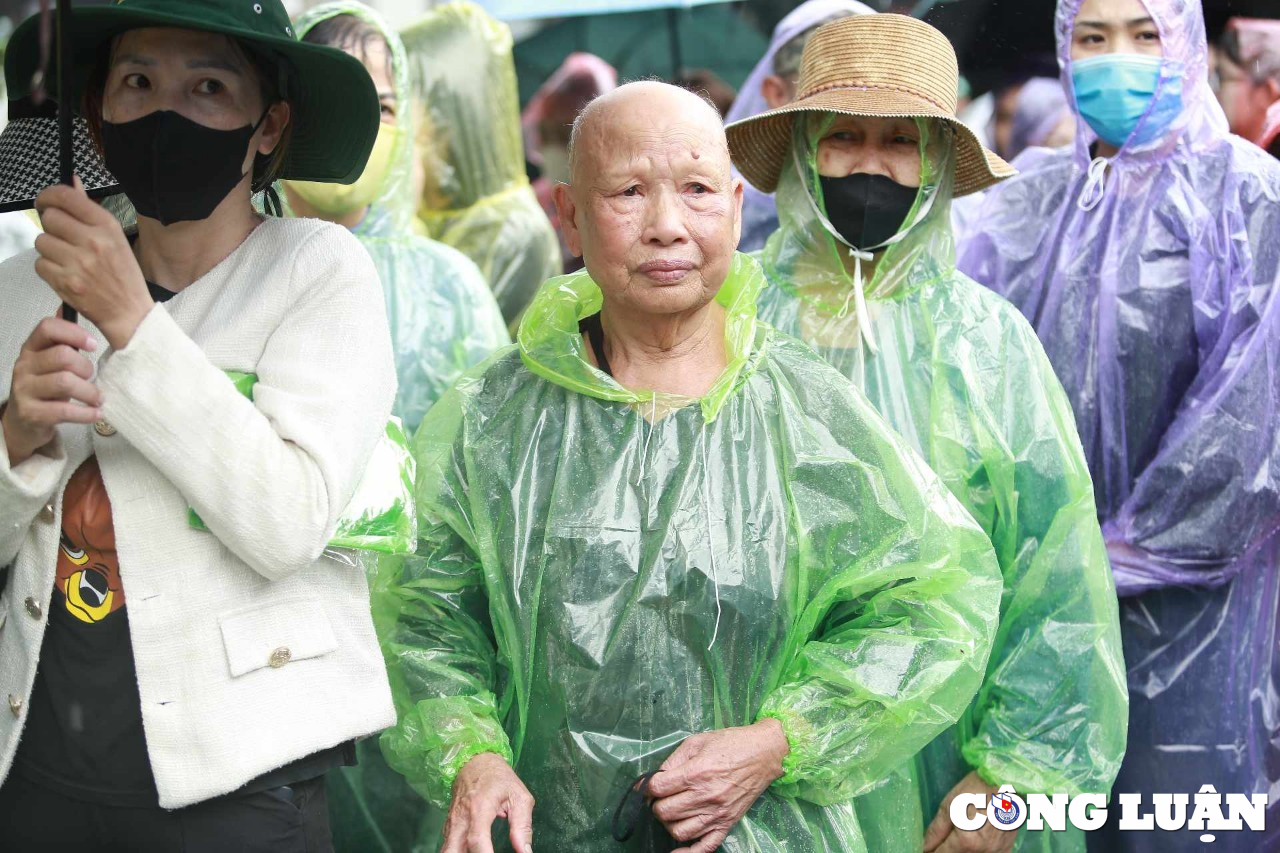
{"points": [[84, 736]]}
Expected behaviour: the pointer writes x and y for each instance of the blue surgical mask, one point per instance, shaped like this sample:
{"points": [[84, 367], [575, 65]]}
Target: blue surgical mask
{"points": [[1115, 91]]}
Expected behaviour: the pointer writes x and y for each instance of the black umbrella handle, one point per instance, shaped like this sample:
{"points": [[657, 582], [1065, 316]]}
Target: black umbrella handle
{"points": [[66, 146]]}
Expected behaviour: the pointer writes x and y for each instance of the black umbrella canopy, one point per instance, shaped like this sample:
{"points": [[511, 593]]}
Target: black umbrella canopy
{"points": [[58, 13], [998, 41]]}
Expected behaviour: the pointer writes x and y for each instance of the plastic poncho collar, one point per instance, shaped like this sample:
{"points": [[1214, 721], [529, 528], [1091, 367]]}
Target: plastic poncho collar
{"points": [[393, 210], [759, 213], [593, 586], [958, 373], [551, 344]]}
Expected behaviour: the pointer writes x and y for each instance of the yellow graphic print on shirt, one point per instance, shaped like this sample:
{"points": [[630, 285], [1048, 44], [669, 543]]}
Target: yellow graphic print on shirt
{"points": [[88, 573]]}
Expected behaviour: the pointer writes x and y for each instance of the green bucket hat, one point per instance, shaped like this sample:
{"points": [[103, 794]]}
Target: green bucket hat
{"points": [[335, 110]]}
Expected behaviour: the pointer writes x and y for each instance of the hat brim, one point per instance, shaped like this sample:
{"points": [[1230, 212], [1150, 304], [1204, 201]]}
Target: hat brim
{"points": [[761, 144], [29, 162], [334, 105]]}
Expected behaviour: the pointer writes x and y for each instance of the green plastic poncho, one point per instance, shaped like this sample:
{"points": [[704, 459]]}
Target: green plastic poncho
{"points": [[443, 316], [476, 196], [444, 320], [959, 373], [604, 572]]}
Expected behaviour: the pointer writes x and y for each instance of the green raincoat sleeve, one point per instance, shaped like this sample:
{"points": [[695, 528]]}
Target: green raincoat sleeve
{"points": [[903, 598], [1052, 714], [432, 616]]}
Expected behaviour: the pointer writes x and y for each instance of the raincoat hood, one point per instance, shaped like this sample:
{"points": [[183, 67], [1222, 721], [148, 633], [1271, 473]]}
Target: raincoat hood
{"points": [[1041, 106], [587, 75], [551, 344], [804, 17], [1185, 65], [476, 196], [470, 139], [813, 257], [759, 214], [443, 316], [393, 210]]}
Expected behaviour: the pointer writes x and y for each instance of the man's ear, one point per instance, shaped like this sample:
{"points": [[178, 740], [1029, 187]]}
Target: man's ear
{"points": [[567, 210], [775, 91], [737, 207]]}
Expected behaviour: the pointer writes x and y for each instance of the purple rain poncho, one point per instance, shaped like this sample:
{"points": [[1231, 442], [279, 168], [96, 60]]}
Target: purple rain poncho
{"points": [[1155, 295]]}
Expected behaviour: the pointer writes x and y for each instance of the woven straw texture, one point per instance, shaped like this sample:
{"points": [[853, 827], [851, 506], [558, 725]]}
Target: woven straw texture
{"points": [[868, 65]]}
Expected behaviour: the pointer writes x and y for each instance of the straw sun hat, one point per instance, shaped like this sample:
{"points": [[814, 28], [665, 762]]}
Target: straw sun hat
{"points": [[888, 66]]}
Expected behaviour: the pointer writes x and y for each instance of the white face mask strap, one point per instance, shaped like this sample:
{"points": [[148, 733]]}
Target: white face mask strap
{"points": [[860, 256], [1095, 188]]}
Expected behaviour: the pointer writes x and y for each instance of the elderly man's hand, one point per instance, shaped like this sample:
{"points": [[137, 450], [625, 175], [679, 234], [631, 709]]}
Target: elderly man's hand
{"points": [[943, 837], [709, 783], [485, 789]]}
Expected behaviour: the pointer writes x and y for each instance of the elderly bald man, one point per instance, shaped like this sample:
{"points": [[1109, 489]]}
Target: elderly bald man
{"points": [[658, 536]]}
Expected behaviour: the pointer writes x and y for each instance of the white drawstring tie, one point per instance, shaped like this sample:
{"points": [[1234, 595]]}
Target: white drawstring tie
{"points": [[1095, 188]]}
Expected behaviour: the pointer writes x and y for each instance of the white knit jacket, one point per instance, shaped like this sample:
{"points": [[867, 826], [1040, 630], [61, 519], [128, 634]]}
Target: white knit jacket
{"points": [[253, 647]]}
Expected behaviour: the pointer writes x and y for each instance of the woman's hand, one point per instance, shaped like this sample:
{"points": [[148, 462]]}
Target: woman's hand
{"points": [[86, 259], [943, 837], [485, 789], [51, 385], [707, 785]]}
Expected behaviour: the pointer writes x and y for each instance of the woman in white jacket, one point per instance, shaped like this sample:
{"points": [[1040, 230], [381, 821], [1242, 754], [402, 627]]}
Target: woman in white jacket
{"points": [[200, 714]]}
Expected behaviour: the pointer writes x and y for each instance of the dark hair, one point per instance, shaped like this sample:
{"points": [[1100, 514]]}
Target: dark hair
{"points": [[350, 33], [274, 74]]}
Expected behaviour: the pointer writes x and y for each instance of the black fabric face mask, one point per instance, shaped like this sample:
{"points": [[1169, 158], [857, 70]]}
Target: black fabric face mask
{"points": [[172, 168], [865, 209]]}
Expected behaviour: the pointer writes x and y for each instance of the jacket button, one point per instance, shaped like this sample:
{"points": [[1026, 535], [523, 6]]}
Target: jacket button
{"points": [[104, 429], [15, 705], [280, 657], [46, 514], [33, 608]]}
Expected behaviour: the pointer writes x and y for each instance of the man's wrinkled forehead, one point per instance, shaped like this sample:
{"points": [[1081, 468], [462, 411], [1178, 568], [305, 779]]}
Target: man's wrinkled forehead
{"points": [[616, 150]]}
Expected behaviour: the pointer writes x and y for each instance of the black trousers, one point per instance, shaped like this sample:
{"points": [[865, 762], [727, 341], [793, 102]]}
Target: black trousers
{"points": [[293, 819]]}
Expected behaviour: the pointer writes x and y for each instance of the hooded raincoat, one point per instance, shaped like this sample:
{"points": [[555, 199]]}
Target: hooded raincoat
{"points": [[1259, 41], [476, 196], [959, 373], [443, 316], [1151, 279], [606, 572], [759, 213], [443, 321]]}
